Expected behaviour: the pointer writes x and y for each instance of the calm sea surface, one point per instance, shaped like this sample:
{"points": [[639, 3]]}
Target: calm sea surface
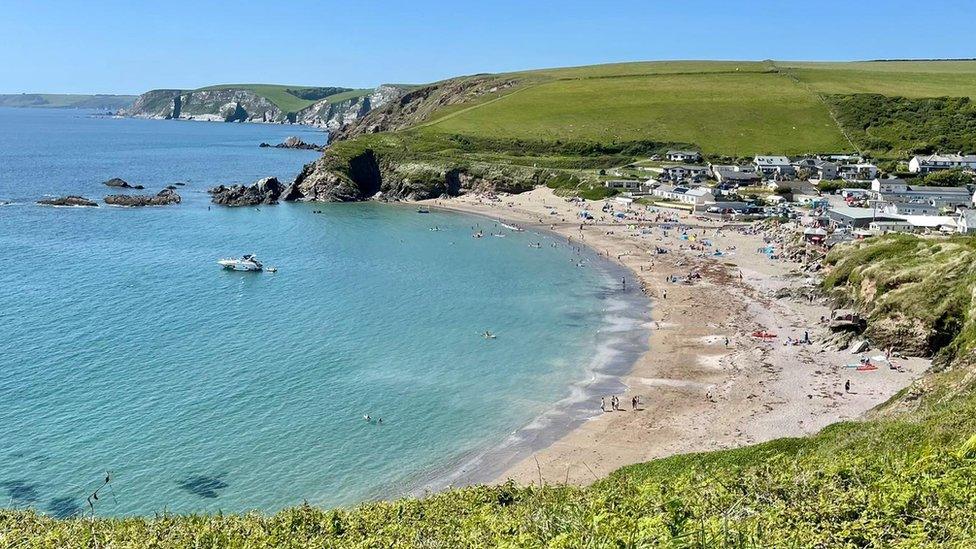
{"points": [[124, 348]]}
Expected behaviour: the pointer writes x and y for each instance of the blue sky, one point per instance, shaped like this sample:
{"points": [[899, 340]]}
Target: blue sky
{"points": [[132, 46]]}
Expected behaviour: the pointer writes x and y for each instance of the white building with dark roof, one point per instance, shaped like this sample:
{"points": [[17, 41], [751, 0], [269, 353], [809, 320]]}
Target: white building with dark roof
{"points": [[683, 156], [774, 166], [935, 162]]}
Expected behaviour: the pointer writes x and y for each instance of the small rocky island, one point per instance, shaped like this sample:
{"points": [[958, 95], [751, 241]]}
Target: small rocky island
{"points": [[294, 143], [121, 184], [70, 200], [263, 191], [162, 198]]}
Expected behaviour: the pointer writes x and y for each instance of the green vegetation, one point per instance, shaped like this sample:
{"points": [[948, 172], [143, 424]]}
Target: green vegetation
{"points": [[918, 293], [946, 178], [293, 98], [899, 127], [65, 100], [730, 113]]}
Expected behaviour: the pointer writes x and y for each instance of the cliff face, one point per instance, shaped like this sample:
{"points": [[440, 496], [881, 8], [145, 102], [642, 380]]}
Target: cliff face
{"points": [[336, 114], [213, 105], [414, 107], [240, 105], [346, 176]]}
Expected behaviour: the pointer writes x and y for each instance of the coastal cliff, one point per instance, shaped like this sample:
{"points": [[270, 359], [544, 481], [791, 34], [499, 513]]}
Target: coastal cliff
{"points": [[327, 107], [346, 174], [416, 106]]}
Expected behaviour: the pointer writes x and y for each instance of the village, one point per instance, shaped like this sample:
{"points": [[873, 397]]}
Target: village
{"points": [[840, 197]]}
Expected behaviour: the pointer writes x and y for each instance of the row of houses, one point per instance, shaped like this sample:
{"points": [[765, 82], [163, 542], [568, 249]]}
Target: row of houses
{"points": [[895, 205], [773, 168], [924, 164]]}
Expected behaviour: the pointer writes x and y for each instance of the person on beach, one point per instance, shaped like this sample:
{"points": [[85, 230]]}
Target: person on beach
{"points": [[603, 404], [847, 386], [633, 403]]}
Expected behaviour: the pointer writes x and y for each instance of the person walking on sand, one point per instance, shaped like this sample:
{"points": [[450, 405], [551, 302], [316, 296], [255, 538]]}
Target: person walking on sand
{"points": [[847, 386], [603, 404], [633, 403]]}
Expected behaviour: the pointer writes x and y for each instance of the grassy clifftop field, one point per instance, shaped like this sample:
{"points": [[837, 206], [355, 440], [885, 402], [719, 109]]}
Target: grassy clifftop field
{"points": [[725, 108]]}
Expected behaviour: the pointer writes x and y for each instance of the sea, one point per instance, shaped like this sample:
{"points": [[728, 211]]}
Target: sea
{"points": [[133, 367]]}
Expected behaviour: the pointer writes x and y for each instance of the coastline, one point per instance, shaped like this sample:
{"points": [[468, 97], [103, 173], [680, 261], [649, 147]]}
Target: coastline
{"points": [[697, 393], [625, 332]]}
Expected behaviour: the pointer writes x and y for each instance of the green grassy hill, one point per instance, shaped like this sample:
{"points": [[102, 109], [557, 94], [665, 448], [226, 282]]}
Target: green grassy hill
{"points": [[726, 108]]}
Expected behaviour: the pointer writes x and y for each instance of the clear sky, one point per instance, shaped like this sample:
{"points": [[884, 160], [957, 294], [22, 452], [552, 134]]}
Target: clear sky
{"points": [[135, 45]]}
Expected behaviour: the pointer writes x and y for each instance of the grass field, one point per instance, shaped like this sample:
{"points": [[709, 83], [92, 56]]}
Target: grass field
{"points": [[730, 113], [725, 107]]}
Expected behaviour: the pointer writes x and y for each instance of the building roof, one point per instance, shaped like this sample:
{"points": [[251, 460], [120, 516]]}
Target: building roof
{"points": [[940, 190], [856, 213], [685, 167], [700, 191], [772, 161], [967, 158]]}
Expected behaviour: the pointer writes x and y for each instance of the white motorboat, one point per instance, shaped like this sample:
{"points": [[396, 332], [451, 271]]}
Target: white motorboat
{"points": [[245, 263]]}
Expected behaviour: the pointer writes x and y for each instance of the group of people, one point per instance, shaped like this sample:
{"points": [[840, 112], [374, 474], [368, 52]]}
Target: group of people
{"points": [[615, 404]]}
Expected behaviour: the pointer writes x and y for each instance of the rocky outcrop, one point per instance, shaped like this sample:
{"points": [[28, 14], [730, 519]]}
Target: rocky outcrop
{"points": [[162, 198], [70, 200], [411, 108], [294, 143], [244, 105], [371, 175], [333, 114], [121, 184], [263, 191]]}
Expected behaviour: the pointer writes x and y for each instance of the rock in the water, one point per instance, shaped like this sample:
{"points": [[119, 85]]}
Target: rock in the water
{"points": [[163, 198], [67, 201], [294, 142], [121, 184], [263, 191]]}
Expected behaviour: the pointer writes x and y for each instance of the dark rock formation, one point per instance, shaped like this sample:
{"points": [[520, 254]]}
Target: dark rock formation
{"points": [[121, 184], [163, 198], [67, 201], [371, 175], [294, 143], [263, 191]]}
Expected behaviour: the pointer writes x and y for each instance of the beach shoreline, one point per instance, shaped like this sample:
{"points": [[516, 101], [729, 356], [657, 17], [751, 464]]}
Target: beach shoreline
{"points": [[704, 382], [625, 331]]}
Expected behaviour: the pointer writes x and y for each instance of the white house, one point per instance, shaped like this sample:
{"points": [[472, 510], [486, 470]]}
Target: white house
{"points": [[697, 196], [682, 172], [774, 166], [966, 222], [935, 162], [624, 184], [683, 156], [731, 174], [862, 171]]}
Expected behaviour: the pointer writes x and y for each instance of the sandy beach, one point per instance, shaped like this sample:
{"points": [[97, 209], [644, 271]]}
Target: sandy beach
{"points": [[706, 383]]}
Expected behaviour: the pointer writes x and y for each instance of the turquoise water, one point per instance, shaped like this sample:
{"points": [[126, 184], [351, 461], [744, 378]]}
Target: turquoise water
{"points": [[124, 348]]}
